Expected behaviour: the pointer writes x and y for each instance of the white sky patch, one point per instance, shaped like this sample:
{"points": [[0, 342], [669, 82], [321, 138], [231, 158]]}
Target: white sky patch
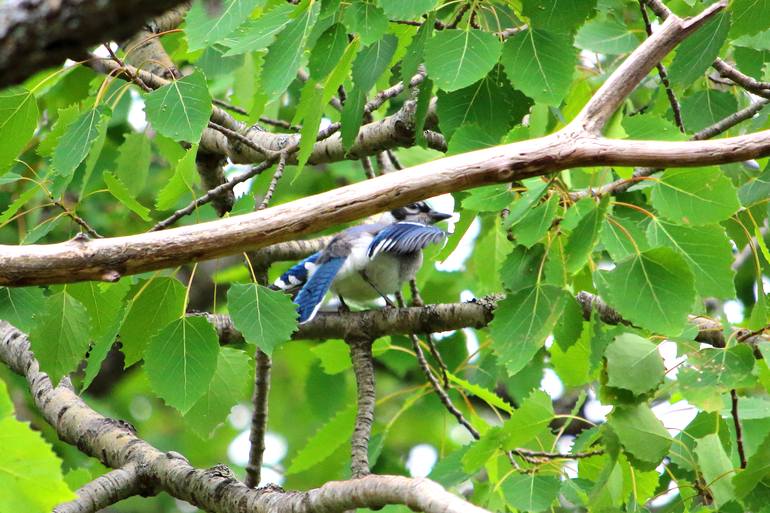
{"points": [[667, 497], [564, 445], [102, 52], [457, 258], [671, 361], [466, 295], [240, 416], [236, 169], [594, 410], [471, 344], [675, 417], [421, 460], [136, 116], [551, 384], [275, 450], [734, 311]]}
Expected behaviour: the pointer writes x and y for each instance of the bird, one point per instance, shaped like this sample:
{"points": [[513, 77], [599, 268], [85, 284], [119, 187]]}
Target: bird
{"points": [[366, 261]]}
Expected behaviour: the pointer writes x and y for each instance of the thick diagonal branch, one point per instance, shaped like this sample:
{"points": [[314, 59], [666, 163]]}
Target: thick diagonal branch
{"points": [[215, 490]]}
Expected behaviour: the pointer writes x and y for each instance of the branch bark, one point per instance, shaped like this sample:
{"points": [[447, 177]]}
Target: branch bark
{"points": [[259, 419], [36, 34], [216, 490], [112, 487], [363, 366]]}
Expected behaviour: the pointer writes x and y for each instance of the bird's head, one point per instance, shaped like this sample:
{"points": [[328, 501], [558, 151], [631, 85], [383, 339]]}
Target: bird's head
{"points": [[419, 212]]}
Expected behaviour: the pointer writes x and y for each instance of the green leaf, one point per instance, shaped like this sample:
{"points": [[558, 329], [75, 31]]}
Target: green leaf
{"points": [[19, 306], [705, 248], [181, 109], [531, 492], [482, 393], [327, 51], [105, 307], [414, 52], [695, 196], [654, 289], [623, 236], [651, 126], [180, 361], [528, 420], [406, 9], [64, 119], [155, 303], [716, 468], [457, 58], [30, 472], [522, 267], [711, 372], [696, 53], [60, 337], [325, 441], [705, 108], [608, 35], [583, 238], [757, 469], [334, 356], [121, 193], [490, 103], [540, 64], [76, 142], [490, 198], [642, 435], [284, 56], [634, 364], [133, 163], [755, 190], [206, 28], [536, 222], [750, 16], [267, 318], [230, 384], [16, 205], [372, 62], [522, 322], [18, 120], [564, 16], [367, 20], [259, 33], [181, 182]]}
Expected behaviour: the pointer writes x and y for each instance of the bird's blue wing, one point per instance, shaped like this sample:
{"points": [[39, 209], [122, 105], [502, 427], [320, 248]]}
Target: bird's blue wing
{"points": [[297, 275], [405, 237], [312, 294]]}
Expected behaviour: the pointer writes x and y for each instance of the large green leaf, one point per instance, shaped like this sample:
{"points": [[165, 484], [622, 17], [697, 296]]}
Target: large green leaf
{"points": [[757, 470], [182, 181], [712, 372], [30, 471], [536, 222], [540, 64], [654, 289], [528, 421], [704, 108], [695, 55], [284, 56], [259, 33], [641, 433], [133, 162], [18, 120], [633, 364], [406, 9], [755, 190], [181, 109], [267, 318], [457, 58], [522, 322], [490, 198], [716, 468], [750, 16], [60, 337], [154, 304], [367, 20], [205, 28], [327, 51], [19, 306], [230, 384], [583, 238], [560, 16], [608, 35], [180, 361], [695, 196], [705, 248], [76, 142], [530, 491]]}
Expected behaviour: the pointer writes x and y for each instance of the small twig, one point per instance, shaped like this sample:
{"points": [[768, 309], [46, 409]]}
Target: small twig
{"points": [[738, 429], [459, 16], [274, 182], [230, 107], [394, 160], [258, 419], [750, 84], [134, 78], [541, 456], [76, 218], [232, 134], [660, 10], [368, 169], [417, 301], [363, 366], [663, 74]]}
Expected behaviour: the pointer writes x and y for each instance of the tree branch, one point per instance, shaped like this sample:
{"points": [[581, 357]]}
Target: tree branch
{"points": [[105, 490], [259, 419], [215, 490], [37, 34], [363, 366]]}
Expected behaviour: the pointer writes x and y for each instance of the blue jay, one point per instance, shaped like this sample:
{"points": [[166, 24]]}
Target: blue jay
{"points": [[366, 261]]}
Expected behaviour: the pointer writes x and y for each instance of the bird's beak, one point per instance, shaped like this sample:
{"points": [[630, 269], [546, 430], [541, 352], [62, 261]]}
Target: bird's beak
{"points": [[435, 217]]}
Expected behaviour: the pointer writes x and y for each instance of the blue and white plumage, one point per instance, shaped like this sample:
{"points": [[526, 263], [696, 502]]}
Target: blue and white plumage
{"points": [[365, 261]]}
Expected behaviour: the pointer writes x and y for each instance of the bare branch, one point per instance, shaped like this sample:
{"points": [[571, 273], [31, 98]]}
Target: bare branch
{"points": [[754, 86], [216, 490], [36, 34], [210, 168], [363, 366], [738, 429], [105, 490], [259, 419]]}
